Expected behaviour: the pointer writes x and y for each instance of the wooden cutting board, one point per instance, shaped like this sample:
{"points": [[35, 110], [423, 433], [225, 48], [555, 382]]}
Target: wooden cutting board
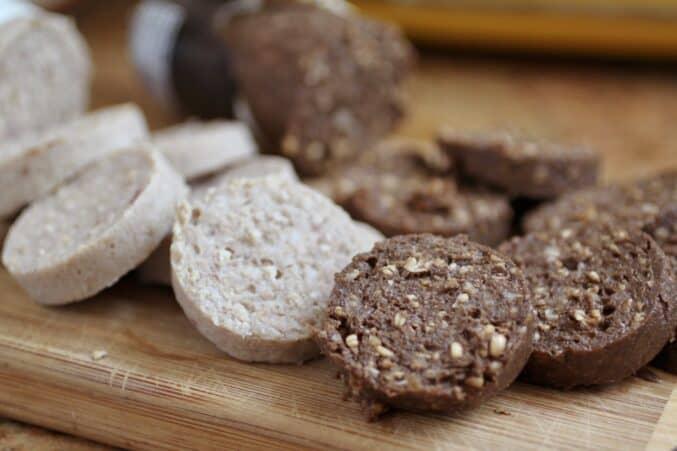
{"points": [[162, 386]]}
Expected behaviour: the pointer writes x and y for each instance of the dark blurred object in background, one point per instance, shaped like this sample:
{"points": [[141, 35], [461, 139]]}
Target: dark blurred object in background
{"points": [[182, 61]]}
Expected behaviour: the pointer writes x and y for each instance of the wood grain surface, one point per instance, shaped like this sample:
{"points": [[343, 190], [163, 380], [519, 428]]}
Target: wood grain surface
{"points": [[163, 386], [664, 435], [22, 437]]}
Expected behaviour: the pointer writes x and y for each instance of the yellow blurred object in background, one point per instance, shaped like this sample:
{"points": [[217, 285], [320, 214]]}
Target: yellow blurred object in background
{"points": [[644, 29]]}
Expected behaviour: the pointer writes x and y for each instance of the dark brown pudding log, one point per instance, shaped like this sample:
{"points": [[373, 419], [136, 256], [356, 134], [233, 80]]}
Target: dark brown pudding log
{"points": [[323, 91]]}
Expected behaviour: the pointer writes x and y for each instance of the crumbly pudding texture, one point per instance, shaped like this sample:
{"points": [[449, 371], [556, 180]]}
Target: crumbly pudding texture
{"points": [[435, 318], [82, 210], [588, 286], [520, 165], [632, 204], [437, 205]]}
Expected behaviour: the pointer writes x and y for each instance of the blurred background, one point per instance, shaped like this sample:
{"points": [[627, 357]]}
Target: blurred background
{"points": [[597, 71], [639, 29]]}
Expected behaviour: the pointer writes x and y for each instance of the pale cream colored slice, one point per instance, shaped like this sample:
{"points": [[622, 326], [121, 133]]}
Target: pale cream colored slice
{"points": [[197, 149], [45, 70], [36, 164], [74, 243], [253, 264], [156, 270], [261, 166]]}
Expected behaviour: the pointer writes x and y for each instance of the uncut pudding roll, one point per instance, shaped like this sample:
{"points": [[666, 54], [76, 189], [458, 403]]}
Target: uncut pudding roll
{"points": [[605, 303], [253, 264], [37, 163], [521, 166], [197, 149], [45, 69], [72, 244], [322, 93], [427, 323]]}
